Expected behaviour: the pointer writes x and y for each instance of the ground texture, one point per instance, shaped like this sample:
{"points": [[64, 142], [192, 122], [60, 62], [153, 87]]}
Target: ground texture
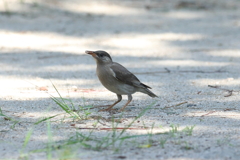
{"points": [[187, 51]]}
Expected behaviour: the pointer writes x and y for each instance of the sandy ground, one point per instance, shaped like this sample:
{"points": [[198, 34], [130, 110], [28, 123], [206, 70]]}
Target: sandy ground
{"points": [[178, 48]]}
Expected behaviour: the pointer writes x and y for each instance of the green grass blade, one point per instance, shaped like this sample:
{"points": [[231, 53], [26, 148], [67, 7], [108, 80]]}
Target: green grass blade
{"points": [[49, 144], [27, 138], [45, 119]]}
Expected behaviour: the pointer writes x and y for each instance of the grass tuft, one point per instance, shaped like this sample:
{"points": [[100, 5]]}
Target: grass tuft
{"points": [[67, 105], [113, 140], [7, 118]]}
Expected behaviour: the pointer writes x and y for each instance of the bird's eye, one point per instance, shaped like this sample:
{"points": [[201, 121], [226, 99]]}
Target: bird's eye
{"points": [[100, 55]]}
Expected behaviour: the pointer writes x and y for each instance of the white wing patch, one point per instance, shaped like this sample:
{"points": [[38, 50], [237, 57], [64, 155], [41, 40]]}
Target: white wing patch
{"points": [[113, 73]]}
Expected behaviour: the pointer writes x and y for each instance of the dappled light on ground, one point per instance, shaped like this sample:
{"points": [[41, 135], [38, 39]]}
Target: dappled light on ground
{"points": [[188, 52]]}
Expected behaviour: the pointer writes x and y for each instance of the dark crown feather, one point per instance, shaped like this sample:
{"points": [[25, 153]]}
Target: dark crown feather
{"points": [[103, 53]]}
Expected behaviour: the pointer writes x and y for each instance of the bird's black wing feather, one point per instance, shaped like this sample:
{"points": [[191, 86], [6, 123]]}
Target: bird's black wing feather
{"points": [[125, 76]]}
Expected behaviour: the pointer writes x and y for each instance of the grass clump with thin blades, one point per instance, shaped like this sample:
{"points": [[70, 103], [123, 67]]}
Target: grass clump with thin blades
{"points": [[112, 140], [188, 130], [67, 105], [7, 118]]}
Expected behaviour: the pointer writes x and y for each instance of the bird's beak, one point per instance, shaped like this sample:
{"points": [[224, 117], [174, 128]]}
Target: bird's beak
{"points": [[91, 53]]}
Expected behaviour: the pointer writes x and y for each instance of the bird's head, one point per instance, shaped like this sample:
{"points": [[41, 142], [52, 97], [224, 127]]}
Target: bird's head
{"points": [[101, 57]]}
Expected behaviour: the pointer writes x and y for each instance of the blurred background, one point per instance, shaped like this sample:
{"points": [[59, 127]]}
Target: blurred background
{"points": [[47, 38], [142, 26]]}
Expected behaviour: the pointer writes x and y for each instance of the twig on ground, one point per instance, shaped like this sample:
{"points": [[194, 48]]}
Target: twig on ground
{"points": [[229, 109], [98, 106], [208, 113], [175, 105], [224, 89]]}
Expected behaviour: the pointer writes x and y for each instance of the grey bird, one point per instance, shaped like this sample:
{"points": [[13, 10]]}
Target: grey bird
{"points": [[117, 78]]}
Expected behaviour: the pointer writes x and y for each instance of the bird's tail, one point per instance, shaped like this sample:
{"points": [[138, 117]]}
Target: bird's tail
{"points": [[148, 92]]}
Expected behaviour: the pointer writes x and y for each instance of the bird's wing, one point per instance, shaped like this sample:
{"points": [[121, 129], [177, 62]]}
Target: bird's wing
{"points": [[125, 76]]}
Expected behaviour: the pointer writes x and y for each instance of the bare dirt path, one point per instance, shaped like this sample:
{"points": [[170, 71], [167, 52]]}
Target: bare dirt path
{"points": [[178, 48]]}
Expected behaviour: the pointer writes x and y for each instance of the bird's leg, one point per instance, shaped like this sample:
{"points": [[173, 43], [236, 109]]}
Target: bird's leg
{"points": [[129, 100], [109, 108]]}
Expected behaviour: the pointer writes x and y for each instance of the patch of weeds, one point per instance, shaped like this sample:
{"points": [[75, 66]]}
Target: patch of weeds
{"points": [[64, 152], [67, 105], [149, 135], [86, 112], [188, 130], [162, 142], [177, 134], [187, 146], [7, 118], [224, 141], [174, 130], [177, 142], [113, 140], [150, 141]]}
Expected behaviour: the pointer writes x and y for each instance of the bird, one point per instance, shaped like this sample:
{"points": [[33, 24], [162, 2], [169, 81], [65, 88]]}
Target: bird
{"points": [[117, 79]]}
